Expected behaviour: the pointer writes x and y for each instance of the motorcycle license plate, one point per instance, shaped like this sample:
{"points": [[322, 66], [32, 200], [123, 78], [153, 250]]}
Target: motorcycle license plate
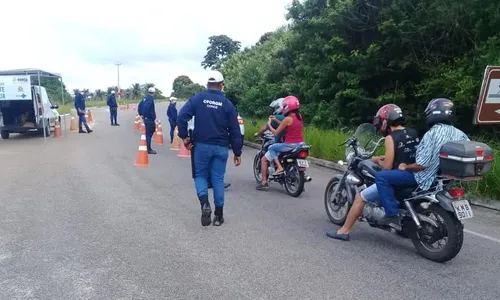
{"points": [[302, 163], [463, 209]]}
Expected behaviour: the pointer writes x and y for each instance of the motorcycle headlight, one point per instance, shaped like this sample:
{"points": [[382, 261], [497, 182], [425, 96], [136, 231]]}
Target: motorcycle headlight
{"points": [[349, 154]]}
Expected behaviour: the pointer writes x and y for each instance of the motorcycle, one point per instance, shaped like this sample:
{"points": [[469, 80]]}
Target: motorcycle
{"points": [[427, 216], [294, 162]]}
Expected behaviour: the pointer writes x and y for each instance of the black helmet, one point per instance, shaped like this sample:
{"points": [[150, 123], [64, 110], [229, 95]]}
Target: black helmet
{"points": [[386, 116], [439, 110]]}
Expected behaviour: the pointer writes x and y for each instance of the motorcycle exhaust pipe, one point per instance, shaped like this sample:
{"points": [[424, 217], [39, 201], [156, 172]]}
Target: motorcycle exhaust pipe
{"points": [[308, 178]]}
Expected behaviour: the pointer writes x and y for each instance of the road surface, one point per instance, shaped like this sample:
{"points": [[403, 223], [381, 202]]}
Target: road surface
{"points": [[79, 221]]}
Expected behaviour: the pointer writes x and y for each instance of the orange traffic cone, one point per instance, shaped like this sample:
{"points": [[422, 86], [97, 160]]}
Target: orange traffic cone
{"points": [[137, 123], [156, 129], [57, 132], [176, 143], [184, 152], [74, 125], [90, 119], [87, 116], [142, 154], [134, 107], [159, 135]]}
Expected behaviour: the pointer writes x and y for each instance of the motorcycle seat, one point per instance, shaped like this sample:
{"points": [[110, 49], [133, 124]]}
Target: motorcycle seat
{"points": [[295, 151], [404, 192]]}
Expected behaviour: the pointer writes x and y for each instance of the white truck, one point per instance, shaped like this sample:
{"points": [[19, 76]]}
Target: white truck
{"points": [[24, 107]]}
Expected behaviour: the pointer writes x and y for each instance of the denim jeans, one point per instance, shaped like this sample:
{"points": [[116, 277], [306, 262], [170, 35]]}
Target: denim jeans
{"points": [[210, 161], [275, 149], [386, 181], [113, 113], [82, 120]]}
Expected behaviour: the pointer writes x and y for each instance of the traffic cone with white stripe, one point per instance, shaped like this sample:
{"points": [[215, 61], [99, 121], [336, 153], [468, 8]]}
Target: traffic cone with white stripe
{"points": [[176, 144], [142, 154], [57, 131], [159, 134], [137, 123]]}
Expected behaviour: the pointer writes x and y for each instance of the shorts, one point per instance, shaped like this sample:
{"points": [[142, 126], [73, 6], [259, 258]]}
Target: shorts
{"points": [[370, 194]]}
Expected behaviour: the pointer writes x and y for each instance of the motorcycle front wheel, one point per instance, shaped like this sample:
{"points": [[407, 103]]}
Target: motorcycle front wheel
{"points": [[294, 180], [442, 243], [336, 209]]}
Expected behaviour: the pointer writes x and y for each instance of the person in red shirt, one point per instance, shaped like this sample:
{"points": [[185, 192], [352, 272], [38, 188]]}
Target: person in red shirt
{"points": [[294, 137]]}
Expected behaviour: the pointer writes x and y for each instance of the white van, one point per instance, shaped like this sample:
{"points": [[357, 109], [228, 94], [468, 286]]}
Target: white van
{"points": [[20, 116]]}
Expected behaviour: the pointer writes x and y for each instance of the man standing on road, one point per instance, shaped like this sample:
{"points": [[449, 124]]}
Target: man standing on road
{"points": [[147, 111], [80, 110], [113, 108], [216, 126], [172, 117]]}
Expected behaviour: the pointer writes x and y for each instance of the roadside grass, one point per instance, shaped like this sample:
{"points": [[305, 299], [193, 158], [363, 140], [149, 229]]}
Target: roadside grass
{"points": [[325, 145]]}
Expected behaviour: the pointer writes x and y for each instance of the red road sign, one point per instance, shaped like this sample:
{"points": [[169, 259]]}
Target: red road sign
{"points": [[488, 105]]}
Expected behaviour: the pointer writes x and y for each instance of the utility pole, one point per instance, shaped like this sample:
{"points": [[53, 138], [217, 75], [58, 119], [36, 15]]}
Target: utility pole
{"points": [[118, 64]]}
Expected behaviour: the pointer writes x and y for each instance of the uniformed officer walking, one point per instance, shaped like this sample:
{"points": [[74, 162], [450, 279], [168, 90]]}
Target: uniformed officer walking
{"points": [[113, 108], [147, 111], [216, 126], [80, 110]]}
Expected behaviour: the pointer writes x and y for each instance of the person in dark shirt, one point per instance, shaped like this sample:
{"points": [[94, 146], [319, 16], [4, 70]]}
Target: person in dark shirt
{"points": [[400, 147], [80, 110], [147, 111], [172, 117], [216, 126], [113, 108]]}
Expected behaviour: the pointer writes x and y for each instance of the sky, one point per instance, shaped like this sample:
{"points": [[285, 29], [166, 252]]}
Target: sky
{"points": [[155, 41]]}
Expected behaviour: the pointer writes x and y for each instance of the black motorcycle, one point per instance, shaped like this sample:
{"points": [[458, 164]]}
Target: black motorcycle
{"points": [[431, 219], [294, 162]]}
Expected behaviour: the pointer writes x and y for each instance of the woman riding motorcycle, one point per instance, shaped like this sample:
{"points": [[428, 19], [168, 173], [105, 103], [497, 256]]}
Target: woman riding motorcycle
{"points": [[400, 147], [293, 127]]}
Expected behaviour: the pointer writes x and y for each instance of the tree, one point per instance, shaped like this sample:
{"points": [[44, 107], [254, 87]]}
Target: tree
{"points": [[183, 87], [220, 48], [99, 94]]}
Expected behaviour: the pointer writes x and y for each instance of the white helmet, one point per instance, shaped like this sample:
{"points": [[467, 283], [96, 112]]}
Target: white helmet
{"points": [[112, 92], [151, 90], [173, 99], [215, 77], [277, 106]]}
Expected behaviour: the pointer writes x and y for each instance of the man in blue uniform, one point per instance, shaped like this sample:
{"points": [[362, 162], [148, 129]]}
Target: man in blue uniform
{"points": [[80, 110], [172, 117], [113, 108], [147, 111], [216, 126]]}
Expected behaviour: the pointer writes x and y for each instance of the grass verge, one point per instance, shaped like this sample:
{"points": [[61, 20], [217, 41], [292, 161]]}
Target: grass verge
{"points": [[325, 145]]}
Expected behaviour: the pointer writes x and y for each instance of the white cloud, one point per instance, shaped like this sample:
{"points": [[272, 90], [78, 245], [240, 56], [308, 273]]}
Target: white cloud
{"points": [[154, 40]]}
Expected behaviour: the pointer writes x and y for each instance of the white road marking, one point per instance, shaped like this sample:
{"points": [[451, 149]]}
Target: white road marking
{"points": [[484, 236]]}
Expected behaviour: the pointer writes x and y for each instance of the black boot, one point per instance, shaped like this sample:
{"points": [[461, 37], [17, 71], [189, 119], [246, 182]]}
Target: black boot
{"points": [[218, 216], [206, 211], [151, 151]]}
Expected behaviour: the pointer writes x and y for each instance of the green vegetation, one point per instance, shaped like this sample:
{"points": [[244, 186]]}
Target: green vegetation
{"points": [[346, 58]]}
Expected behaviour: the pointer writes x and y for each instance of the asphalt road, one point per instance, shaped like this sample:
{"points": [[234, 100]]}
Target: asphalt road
{"points": [[79, 221]]}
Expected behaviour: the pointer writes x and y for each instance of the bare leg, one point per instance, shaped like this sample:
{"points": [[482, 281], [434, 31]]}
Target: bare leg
{"points": [[263, 170], [353, 215], [279, 168]]}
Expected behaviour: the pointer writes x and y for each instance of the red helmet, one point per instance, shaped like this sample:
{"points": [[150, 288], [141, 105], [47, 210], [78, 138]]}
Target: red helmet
{"points": [[290, 103], [386, 116]]}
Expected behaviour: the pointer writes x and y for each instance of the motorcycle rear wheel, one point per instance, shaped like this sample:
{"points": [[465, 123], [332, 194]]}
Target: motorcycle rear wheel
{"points": [[333, 210], [294, 180], [450, 227], [256, 168]]}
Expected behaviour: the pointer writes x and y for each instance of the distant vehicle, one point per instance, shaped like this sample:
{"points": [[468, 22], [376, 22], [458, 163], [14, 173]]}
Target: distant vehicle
{"points": [[25, 108]]}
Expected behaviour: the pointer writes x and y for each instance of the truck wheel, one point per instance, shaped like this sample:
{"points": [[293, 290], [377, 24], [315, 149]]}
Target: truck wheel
{"points": [[5, 134]]}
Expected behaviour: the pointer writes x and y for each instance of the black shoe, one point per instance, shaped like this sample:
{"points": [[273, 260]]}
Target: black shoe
{"points": [[218, 216], [262, 187], [206, 215], [89, 131], [81, 131], [116, 124], [113, 124], [151, 151]]}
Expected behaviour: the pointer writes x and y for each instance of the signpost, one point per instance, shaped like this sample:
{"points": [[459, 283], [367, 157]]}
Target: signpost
{"points": [[488, 105], [15, 87]]}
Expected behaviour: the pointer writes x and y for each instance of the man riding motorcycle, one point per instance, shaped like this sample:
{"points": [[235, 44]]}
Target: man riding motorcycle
{"points": [[277, 108], [439, 114], [400, 147]]}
